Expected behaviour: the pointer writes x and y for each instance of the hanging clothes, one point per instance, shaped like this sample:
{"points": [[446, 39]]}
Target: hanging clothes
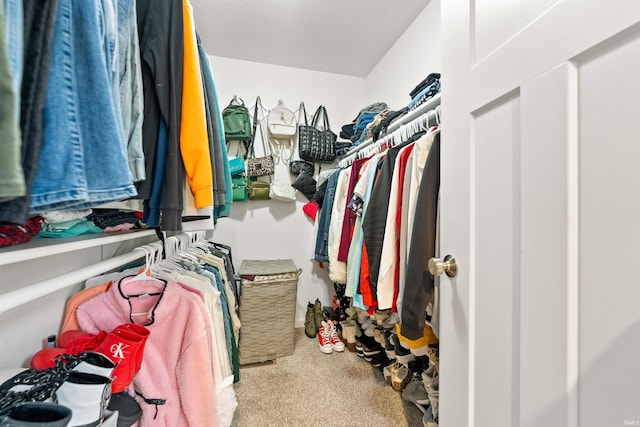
{"points": [[362, 192], [387, 289], [374, 225], [76, 169], [130, 86], [419, 283], [12, 182], [194, 141], [411, 185], [39, 23], [160, 32], [338, 269], [177, 356], [217, 147]]}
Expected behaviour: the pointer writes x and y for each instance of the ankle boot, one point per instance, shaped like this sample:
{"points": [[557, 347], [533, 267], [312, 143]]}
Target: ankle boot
{"points": [[129, 411], [349, 334], [87, 395], [37, 414], [125, 347], [310, 322], [318, 315]]}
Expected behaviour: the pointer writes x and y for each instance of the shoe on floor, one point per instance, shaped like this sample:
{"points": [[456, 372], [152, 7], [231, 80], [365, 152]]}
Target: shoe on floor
{"points": [[390, 322], [400, 377], [419, 364], [388, 371], [389, 347], [403, 354], [324, 338], [359, 348], [362, 315], [414, 392], [380, 361], [427, 419], [431, 381], [381, 316], [336, 343], [310, 322], [434, 356], [349, 334], [317, 313]]}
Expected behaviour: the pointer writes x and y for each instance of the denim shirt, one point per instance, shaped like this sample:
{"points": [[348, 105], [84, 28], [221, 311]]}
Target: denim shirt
{"points": [[322, 239], [12, 182], [83, 155], [130, 86]]}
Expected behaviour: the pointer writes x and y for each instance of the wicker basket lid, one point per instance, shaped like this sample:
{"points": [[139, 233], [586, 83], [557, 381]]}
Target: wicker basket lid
{"points": [[252, 267]]}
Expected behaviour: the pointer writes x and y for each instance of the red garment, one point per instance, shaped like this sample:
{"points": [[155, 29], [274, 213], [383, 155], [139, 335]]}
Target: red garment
{"points": [[15, 234], [311, 209], [349, 216], [402, 165], [368, 298]]}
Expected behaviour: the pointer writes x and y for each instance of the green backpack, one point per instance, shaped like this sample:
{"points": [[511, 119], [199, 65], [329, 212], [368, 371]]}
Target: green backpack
{"points": [[236, 121]]}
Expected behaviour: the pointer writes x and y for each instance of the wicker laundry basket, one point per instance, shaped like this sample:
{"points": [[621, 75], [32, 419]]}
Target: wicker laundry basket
{"points": [[267, 309]]}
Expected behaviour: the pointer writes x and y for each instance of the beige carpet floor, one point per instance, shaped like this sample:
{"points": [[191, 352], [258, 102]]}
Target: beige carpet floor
{"points": [[310, 388]]}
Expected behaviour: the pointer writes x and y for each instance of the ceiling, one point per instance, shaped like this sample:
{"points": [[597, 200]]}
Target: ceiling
{"points": [[337, 36]]}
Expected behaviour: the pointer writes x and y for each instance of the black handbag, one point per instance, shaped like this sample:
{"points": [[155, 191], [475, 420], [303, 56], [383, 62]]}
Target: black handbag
{"points": [[305, 184], [317, 143], [297, 166]]}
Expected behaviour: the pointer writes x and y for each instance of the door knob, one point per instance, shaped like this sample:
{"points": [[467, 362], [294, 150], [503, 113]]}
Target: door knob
{"points": [[437, 266]]}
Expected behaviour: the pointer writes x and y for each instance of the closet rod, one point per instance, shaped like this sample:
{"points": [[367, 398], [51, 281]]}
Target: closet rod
{"points": [[19, 297], [421, 109]]}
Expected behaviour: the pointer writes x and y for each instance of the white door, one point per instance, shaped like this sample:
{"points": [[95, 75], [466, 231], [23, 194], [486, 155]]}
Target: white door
{"points": [[540, 207]]}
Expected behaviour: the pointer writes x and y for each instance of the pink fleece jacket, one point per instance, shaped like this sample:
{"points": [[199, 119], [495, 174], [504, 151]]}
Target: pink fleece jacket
{"points": [[176, 364]]}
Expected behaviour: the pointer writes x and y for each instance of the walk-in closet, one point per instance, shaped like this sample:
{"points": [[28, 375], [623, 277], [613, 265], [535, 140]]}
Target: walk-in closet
{"points": [[277, 213]]}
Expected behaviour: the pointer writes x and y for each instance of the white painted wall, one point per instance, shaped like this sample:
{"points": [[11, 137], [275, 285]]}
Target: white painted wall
{"points": [[410, 59], [271, 229]]}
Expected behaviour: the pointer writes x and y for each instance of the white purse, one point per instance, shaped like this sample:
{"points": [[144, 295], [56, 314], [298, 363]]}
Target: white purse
{"points": [[282, 122], [283, 191]]}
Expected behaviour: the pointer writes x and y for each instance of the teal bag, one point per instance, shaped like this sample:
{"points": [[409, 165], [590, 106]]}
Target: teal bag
{"points": [[239, 187], [236, 121], [236, 164]]}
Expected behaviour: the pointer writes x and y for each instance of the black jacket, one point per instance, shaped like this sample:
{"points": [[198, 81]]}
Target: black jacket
{"points": [[374, 223], [418, 286], [160, 30]]}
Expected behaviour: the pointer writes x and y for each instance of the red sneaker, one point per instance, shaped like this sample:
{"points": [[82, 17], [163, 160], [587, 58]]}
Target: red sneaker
{"points": [[336, 343], [324, 338]]}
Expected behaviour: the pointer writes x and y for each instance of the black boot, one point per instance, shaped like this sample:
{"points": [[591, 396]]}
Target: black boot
{"points": [[32, 414]]}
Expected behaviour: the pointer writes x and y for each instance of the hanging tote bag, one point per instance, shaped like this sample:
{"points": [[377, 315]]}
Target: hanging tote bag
{"points": [[236, 121], [316, 142], [259, 166]]}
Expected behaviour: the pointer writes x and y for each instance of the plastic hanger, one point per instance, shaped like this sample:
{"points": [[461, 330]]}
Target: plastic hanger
{"points": [[144, 274]]}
